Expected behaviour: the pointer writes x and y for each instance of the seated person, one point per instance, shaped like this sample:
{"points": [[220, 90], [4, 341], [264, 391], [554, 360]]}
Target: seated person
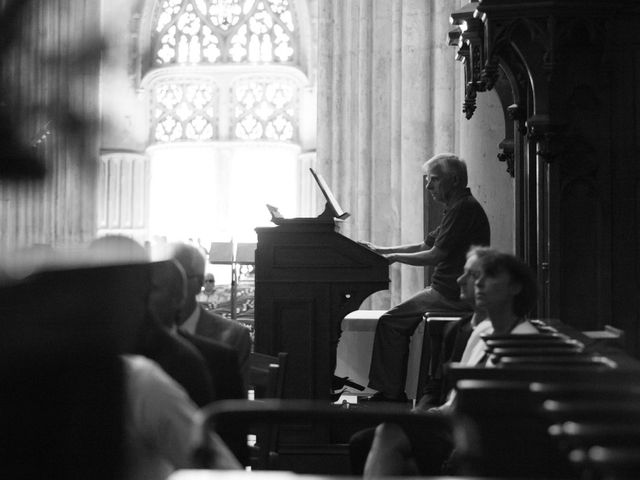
{"points": [[463, 224], [162, 424], [206, 297], [465, 334], [155, 338], [360, 443], [161, 343], [460, 337], [196, 320], [452, 344], [506, 290], [220, 360]]}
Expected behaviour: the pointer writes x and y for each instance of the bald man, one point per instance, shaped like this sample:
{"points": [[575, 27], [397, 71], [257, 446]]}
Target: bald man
{"points": [[194, 319], [157, 339], [221, 361]]}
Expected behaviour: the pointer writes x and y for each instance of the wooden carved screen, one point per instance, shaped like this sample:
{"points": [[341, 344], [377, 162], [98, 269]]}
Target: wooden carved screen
{"points": [[564, 72]]}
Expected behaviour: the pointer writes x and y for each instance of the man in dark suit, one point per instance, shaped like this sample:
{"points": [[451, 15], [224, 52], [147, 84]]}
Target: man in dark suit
{"points": [[155, 339], [220, 360], [197, 321], [180, 359]]}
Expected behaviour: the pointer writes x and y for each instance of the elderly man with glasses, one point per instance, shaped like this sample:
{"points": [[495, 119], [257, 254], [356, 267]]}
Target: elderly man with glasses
{"points": [[463, 224]]}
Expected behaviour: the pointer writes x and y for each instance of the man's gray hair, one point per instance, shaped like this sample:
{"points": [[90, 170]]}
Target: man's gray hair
{"points": [[450, 165]]}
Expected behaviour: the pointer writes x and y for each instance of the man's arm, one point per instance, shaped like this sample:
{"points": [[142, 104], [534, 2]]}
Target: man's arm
{"points": [[409, 248], [431, 256]]}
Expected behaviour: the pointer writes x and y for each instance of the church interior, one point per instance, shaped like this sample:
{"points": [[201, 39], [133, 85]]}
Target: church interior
{"points": [[276, 138]]}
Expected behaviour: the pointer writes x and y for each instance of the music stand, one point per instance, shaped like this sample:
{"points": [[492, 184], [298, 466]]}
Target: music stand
{"points": [[230, 253], [221, 253], [332, 210]]}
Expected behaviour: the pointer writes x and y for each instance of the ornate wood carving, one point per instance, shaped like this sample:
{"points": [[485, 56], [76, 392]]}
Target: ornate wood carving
{"points": [[506, 155], [468, 35], [546, 135], [570, 66]]}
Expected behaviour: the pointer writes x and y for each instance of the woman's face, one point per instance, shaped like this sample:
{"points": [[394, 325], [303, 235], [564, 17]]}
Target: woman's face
{"points": [[493, 292], [467, 280]]}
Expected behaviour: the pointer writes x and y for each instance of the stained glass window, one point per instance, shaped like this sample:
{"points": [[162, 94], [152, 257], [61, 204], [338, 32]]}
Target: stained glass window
{"points": [[224, 31], [249, 34]]}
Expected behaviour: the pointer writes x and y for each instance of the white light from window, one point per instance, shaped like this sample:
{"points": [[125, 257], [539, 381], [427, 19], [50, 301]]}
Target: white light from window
{"points": [[215, 192]]}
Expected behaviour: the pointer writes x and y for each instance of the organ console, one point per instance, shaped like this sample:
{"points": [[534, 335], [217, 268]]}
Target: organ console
{"points": [[308, 277]]}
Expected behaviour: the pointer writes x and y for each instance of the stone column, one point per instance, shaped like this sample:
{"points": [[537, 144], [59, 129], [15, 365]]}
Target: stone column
{"points": [[51, 101], [373, 110]]}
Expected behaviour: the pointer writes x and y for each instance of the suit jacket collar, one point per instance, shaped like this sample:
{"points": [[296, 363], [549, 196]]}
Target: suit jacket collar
{"points": [[191, 323]]}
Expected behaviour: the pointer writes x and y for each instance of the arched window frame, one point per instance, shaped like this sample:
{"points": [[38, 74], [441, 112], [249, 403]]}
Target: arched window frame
{"points": [[224, 31], [142, 26], [284, 126], [140, 76]]}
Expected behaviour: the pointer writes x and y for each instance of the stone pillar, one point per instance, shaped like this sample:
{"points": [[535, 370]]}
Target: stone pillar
{"points": [[50, 99], [373, 110], [123, 195]]}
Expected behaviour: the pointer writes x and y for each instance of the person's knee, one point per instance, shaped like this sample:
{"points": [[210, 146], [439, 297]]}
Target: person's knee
{"points": [[359, 446], [392, 436], [398, 322], [390, 454]]}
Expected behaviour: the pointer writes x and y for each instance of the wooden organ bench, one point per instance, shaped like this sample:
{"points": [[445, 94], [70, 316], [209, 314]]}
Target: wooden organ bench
{"points": [[356, 344]]}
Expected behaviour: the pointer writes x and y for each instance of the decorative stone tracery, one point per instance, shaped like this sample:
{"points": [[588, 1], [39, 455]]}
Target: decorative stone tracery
{"points": [[249, 99], [224, 31]]}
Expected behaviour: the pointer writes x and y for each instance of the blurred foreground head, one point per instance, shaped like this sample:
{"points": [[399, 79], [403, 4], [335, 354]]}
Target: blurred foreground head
{"points": [[117, 249], [66, 323], [168, 292], [192, 261]]}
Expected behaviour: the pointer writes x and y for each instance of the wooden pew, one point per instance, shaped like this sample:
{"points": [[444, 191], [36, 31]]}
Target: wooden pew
{"points": [[508, 423], [611, 462], [506, 412]]}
